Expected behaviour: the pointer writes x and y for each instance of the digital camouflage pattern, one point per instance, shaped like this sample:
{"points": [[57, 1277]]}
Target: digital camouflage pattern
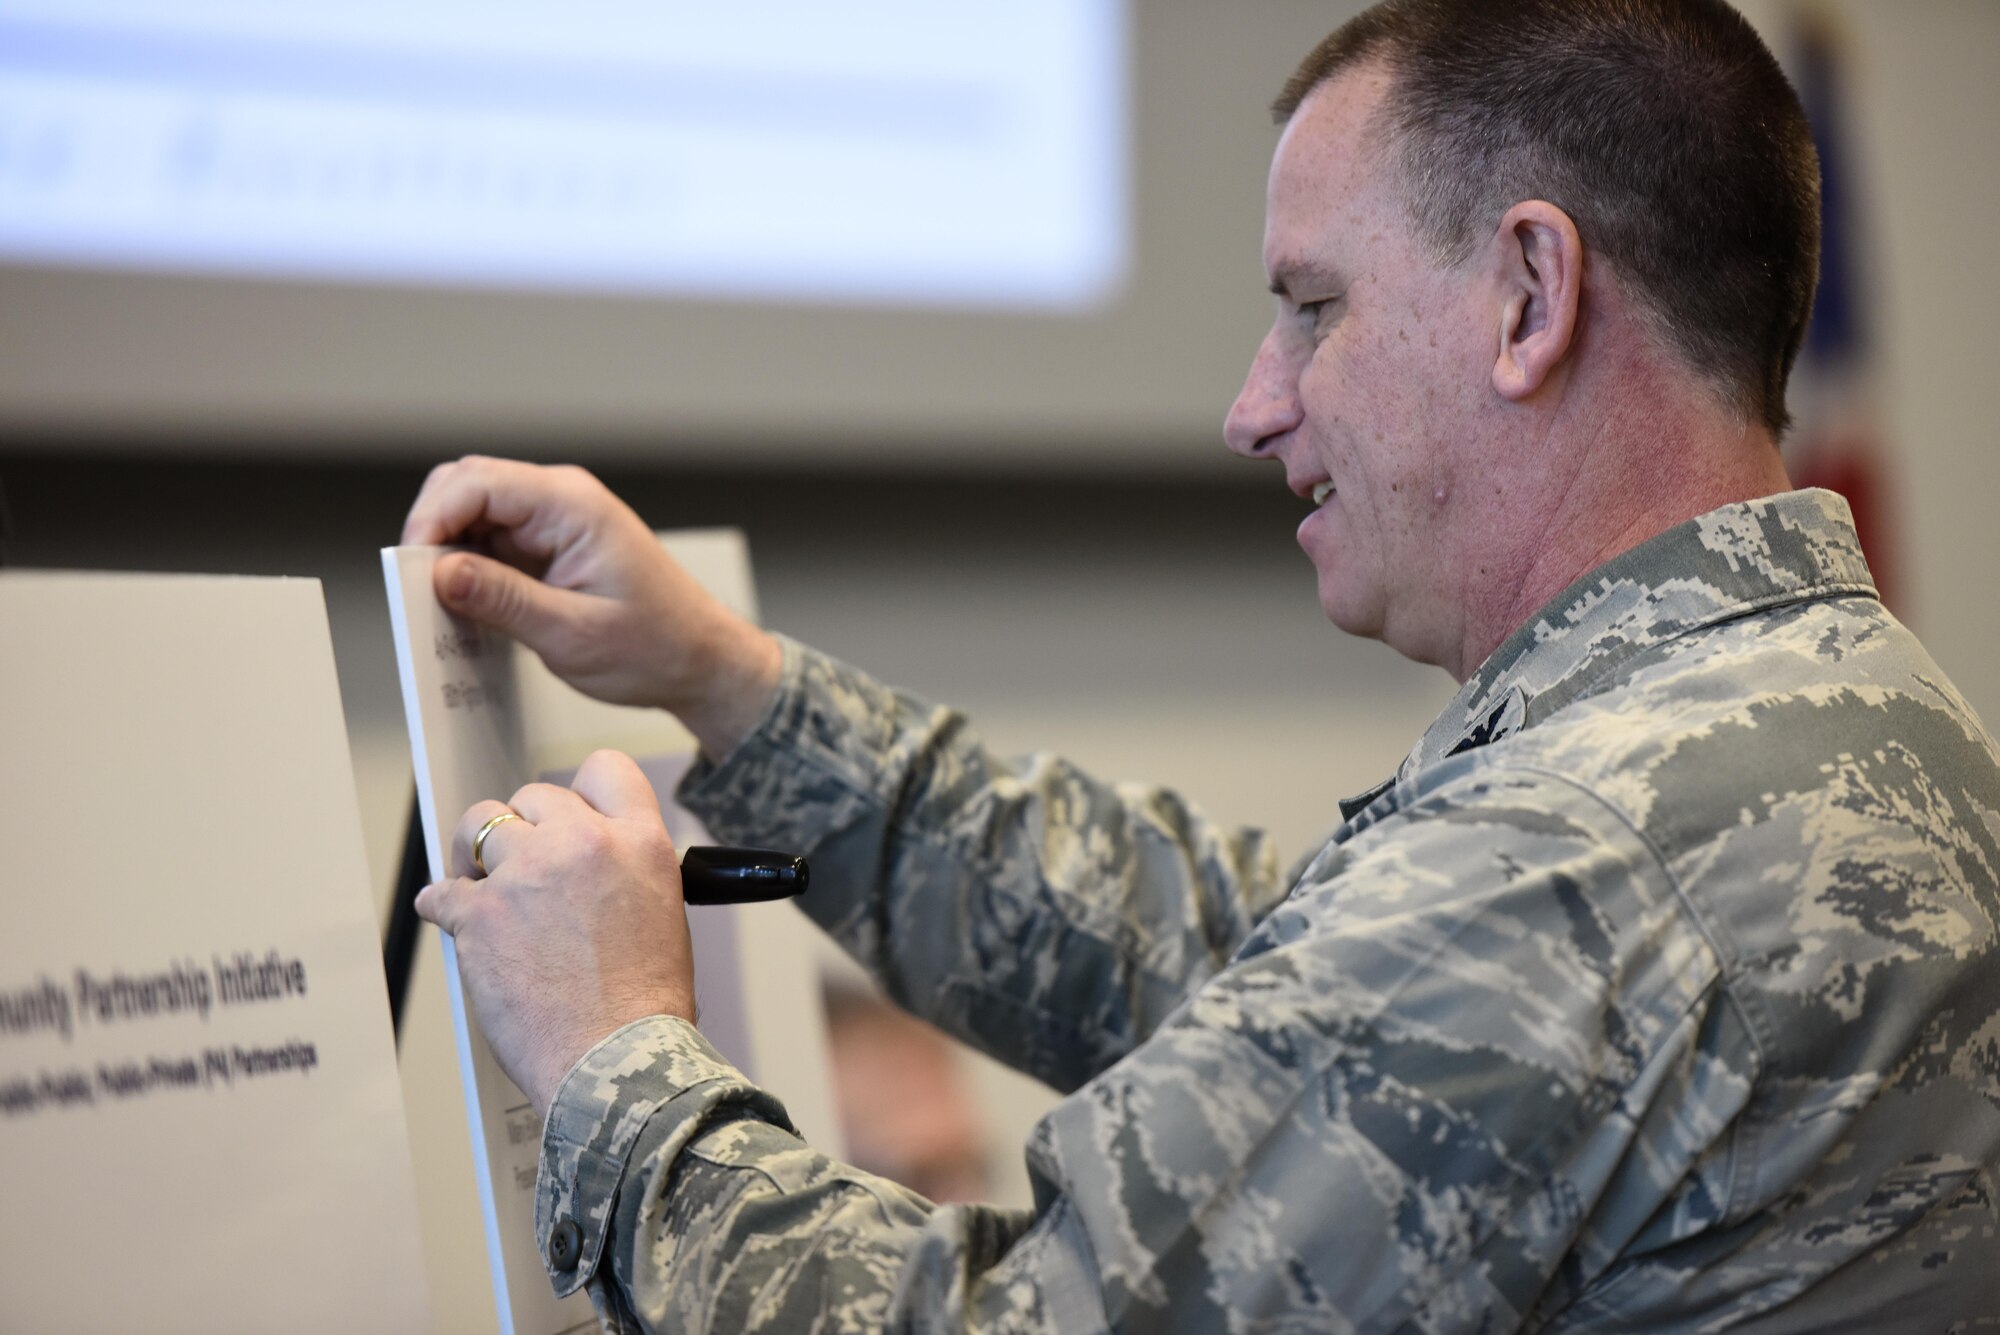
{"points": [[1657, 991]]}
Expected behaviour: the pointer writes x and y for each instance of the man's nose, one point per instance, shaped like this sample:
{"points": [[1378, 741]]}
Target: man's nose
{"points": [[1268, 405]]}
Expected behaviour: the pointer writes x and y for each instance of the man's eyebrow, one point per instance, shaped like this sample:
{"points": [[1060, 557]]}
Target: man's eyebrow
{"points": [[1288, 279]]}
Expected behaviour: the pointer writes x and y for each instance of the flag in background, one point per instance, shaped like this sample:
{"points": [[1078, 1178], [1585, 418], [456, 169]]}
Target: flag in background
{"points": [[1836, 441]]}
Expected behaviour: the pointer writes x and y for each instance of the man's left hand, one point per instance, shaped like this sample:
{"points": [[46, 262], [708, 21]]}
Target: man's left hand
{"points": [[576, 929]]}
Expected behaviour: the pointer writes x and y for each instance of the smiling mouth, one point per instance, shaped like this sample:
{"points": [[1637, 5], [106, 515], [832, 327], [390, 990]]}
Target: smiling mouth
{"points": [[1321, 492]]}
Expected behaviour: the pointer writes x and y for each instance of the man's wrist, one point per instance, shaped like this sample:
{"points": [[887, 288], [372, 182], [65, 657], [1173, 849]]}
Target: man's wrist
{"points": [[738, 672], [563, 1056]]}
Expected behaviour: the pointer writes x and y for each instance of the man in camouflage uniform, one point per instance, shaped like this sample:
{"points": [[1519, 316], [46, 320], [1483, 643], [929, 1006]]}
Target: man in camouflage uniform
{"points": [[1657, 990]]}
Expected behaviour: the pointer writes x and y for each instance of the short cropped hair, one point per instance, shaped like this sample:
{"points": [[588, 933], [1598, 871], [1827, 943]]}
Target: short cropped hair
{"points": [[1664, 128]]}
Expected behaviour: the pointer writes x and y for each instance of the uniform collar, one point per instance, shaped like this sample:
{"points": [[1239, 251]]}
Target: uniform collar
{"points": [[1744, 557]]}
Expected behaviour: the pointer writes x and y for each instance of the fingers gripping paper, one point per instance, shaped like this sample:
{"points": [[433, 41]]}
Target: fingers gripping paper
{"points": [[485, 717]]}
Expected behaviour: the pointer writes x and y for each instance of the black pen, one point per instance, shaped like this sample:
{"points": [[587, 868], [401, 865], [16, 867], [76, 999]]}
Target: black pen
{"points": [[711, 875]]}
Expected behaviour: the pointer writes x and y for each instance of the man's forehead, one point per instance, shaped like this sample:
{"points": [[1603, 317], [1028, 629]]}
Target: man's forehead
{"points": [[1328, 170], [1336, 127]]}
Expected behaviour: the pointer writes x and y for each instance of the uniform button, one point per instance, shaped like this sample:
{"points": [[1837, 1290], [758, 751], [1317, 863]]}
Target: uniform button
{"points": [[565, 1245]]}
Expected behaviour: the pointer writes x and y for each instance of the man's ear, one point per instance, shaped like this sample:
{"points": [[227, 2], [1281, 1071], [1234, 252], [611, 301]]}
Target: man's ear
{"points": [[1539, 259]]}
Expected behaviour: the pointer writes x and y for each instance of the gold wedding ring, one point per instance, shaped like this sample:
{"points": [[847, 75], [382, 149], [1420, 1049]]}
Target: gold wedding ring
{"points": [[479, 840]]}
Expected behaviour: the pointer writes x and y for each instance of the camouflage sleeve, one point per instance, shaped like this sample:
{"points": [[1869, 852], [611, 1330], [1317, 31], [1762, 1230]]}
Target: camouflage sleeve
{"points": [[1480, 1043], [1045, 917]]}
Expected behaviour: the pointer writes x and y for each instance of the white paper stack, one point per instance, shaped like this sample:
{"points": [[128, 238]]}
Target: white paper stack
{"points": [[485, 717]]}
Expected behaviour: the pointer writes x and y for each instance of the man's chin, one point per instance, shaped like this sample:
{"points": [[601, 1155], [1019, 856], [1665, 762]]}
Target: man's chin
{"points": [[1355, 616], [1367, 619]]}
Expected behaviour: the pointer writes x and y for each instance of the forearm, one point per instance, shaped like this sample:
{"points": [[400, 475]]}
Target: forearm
{"points": [[1046, 917], [692, 1207]]}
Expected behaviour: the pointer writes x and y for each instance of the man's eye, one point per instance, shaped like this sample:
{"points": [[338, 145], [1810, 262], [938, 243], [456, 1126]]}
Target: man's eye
{"points": [[1316, 313]]}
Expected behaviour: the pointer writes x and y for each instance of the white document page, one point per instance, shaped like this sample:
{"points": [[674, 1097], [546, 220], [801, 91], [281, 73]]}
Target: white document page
{"points": [[485, 717], [201, 1127]]}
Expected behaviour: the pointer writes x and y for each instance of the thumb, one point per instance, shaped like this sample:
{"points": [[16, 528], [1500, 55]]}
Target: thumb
{"points": [[494, 594], [442, 903], [613, 783]]}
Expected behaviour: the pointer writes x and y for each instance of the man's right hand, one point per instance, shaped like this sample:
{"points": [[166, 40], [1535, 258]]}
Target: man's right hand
{"points": [[582, 581]]}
